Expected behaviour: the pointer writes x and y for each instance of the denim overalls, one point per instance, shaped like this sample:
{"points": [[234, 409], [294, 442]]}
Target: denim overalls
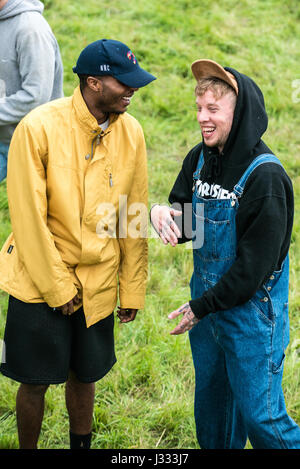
{"points": [[238, 354]]}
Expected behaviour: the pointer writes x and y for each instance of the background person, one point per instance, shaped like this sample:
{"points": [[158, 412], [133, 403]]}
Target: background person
{"points": [[242, 213], [31, 71], [68, 160]]}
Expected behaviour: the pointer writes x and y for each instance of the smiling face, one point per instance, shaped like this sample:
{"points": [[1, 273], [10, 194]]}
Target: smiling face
{"points": [[114, 97], [104, 95], [215, 116]]}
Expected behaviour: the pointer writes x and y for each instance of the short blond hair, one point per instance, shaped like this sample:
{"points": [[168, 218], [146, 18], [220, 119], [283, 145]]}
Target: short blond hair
{"points": [[217, 86]]}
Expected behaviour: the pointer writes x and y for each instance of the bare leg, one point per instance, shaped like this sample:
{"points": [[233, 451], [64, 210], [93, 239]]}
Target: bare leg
{"points": [[30, 411], [80, 404]]}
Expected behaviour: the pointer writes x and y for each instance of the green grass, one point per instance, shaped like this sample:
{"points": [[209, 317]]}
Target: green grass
{"points": [[147, 399]]}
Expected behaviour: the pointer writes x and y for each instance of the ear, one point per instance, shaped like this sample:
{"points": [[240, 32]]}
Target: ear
{"points": [[94, 84]]}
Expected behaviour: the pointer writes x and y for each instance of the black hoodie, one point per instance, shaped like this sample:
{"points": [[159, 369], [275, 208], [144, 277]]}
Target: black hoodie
{"points": [[265, 215]]}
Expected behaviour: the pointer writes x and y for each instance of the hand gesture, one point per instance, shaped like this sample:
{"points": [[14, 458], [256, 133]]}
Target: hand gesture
{"points": [[188, 321], [162, 219]]}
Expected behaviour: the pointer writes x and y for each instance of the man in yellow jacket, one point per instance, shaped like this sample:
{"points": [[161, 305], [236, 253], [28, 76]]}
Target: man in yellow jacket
{"points": [[77, 192]]}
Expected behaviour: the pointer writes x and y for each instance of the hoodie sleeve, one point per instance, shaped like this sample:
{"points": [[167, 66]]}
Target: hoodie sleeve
{"points": [[35, 48], [264, 225]]}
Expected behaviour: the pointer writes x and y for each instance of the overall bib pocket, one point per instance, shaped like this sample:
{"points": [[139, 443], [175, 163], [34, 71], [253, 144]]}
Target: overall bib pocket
{"points": [[219, 237]]}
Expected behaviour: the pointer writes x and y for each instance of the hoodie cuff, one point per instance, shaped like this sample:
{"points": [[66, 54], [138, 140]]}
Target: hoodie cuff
{"points": [[198, 308]]}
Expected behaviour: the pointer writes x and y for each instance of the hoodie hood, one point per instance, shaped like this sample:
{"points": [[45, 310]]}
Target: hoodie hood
{"points": [[244, 143], [15, 7]]}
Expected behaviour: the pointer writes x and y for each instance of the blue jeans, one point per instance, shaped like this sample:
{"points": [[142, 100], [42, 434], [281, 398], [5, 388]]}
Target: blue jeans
{"points": [[238, 354], [3, 160]]}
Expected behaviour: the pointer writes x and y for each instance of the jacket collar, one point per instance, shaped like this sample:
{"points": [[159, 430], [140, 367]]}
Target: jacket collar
{"points": [[86, 120]]}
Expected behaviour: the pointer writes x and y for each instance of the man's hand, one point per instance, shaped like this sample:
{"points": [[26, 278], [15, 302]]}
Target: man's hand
{"points": [[126, 314], [68, 308], [162, 218], [188, 321]]}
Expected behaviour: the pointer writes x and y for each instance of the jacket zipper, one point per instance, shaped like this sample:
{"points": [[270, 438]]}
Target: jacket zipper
{"points": [[92, 154]]}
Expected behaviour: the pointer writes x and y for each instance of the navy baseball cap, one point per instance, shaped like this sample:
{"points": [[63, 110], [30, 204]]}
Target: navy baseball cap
{"points": [[110, 57]]}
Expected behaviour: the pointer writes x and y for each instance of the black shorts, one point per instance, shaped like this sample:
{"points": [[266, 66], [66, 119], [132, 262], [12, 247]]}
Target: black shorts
{"points": [[41, 345]]}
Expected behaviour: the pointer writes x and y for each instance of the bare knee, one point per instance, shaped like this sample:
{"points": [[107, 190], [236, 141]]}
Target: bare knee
{"points": [[74, 382], [33, 389]]}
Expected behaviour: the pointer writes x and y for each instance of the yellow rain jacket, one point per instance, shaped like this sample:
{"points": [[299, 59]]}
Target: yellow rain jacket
{"points": [[78, 206]]}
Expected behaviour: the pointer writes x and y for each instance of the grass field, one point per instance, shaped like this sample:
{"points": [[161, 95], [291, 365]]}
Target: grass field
{"points": [[147, 400]]}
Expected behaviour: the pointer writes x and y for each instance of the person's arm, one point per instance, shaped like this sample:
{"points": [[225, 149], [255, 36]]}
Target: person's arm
{"points": [[36, 55], [27, 197], [263, 231], [173, 224], [134, 245]]}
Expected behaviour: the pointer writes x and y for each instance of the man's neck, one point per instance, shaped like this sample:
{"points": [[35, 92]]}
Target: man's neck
{"points": [[99, 115], [103, 119]]}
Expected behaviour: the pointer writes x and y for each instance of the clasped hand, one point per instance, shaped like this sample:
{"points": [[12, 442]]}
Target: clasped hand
{"points": [[68, 308], [126, 314]]}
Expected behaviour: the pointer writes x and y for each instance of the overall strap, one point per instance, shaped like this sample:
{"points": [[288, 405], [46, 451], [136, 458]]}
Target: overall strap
{"points": [[265, 158], [200, 162], [196, 174]]}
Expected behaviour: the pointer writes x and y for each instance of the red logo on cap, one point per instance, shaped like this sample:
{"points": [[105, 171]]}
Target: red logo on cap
{"points": [[130, 55]]}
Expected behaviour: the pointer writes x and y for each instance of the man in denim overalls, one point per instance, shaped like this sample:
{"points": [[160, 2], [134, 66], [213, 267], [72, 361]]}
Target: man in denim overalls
{"points": [[238, 200]]}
